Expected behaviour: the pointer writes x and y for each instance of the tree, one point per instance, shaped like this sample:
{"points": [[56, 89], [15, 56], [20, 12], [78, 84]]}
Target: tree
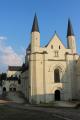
{"points": [[3, 76]]}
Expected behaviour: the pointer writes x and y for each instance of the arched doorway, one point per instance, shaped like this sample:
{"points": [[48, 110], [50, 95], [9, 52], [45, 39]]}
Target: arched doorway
{"points": [[12, 88], [4, 89], [57, 95]]}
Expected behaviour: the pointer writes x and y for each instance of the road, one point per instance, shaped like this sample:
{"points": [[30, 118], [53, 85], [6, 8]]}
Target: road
{"points": [[14, 111], [10, 113]]}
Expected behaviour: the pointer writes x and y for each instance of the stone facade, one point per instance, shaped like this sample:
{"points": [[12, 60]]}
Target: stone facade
{"points": [[77, 83], [52, 70]]}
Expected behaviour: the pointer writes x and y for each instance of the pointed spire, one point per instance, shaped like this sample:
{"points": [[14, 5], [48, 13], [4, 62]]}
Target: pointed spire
{"points": [[35, 26], [70, 29]]}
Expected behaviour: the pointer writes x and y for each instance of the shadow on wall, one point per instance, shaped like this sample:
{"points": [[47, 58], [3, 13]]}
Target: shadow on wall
{"points": [[68, 90]]}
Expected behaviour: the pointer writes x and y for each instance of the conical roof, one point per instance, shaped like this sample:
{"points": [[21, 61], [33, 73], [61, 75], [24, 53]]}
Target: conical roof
{"points": [[70, 29], [35, 26]]}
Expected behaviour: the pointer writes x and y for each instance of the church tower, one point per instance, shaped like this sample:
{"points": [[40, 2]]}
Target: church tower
{"points": [[35, 36], [71, 38]]}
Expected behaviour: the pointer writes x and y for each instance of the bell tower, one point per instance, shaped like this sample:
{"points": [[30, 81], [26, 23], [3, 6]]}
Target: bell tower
{"points": [[35, 36]]}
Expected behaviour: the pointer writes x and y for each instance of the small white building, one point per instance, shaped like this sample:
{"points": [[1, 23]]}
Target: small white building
{"points": [[13, 82]]}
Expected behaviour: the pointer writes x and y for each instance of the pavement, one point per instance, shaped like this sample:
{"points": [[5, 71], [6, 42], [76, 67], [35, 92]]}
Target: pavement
{"points": [[11, 113], [60, 113], [65, 104], [63, 111], [15, 97]]}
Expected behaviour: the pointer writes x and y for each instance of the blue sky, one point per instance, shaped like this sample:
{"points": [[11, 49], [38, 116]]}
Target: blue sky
{"points": [[16, 17]]}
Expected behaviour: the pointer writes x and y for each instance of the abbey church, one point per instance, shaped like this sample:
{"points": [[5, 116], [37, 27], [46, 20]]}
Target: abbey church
{"points": [[51, 73]]}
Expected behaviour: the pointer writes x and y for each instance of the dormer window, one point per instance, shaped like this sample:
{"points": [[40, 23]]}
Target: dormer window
{"points": [[51, 46]]}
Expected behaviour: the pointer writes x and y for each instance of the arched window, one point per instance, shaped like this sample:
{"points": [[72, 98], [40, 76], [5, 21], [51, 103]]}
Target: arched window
{"points": [[56, 76]]}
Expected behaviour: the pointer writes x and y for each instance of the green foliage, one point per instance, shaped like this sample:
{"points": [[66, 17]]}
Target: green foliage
{"points": [[3, 76]]}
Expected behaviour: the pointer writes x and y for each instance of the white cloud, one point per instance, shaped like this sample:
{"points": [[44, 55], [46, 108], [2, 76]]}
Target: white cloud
{"points": [[10, 57], [7, 55], [3, 38]]}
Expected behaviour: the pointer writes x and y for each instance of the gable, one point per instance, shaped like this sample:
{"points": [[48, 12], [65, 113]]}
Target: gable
{"points": [[55, 43]]}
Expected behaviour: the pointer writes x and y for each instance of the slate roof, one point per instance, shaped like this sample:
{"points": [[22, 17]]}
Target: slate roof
{"points": [[35, 26], [70, 29]]}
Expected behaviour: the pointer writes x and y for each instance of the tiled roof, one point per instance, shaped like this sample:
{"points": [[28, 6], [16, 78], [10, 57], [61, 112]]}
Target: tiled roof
{"points": [[14, 68]]}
